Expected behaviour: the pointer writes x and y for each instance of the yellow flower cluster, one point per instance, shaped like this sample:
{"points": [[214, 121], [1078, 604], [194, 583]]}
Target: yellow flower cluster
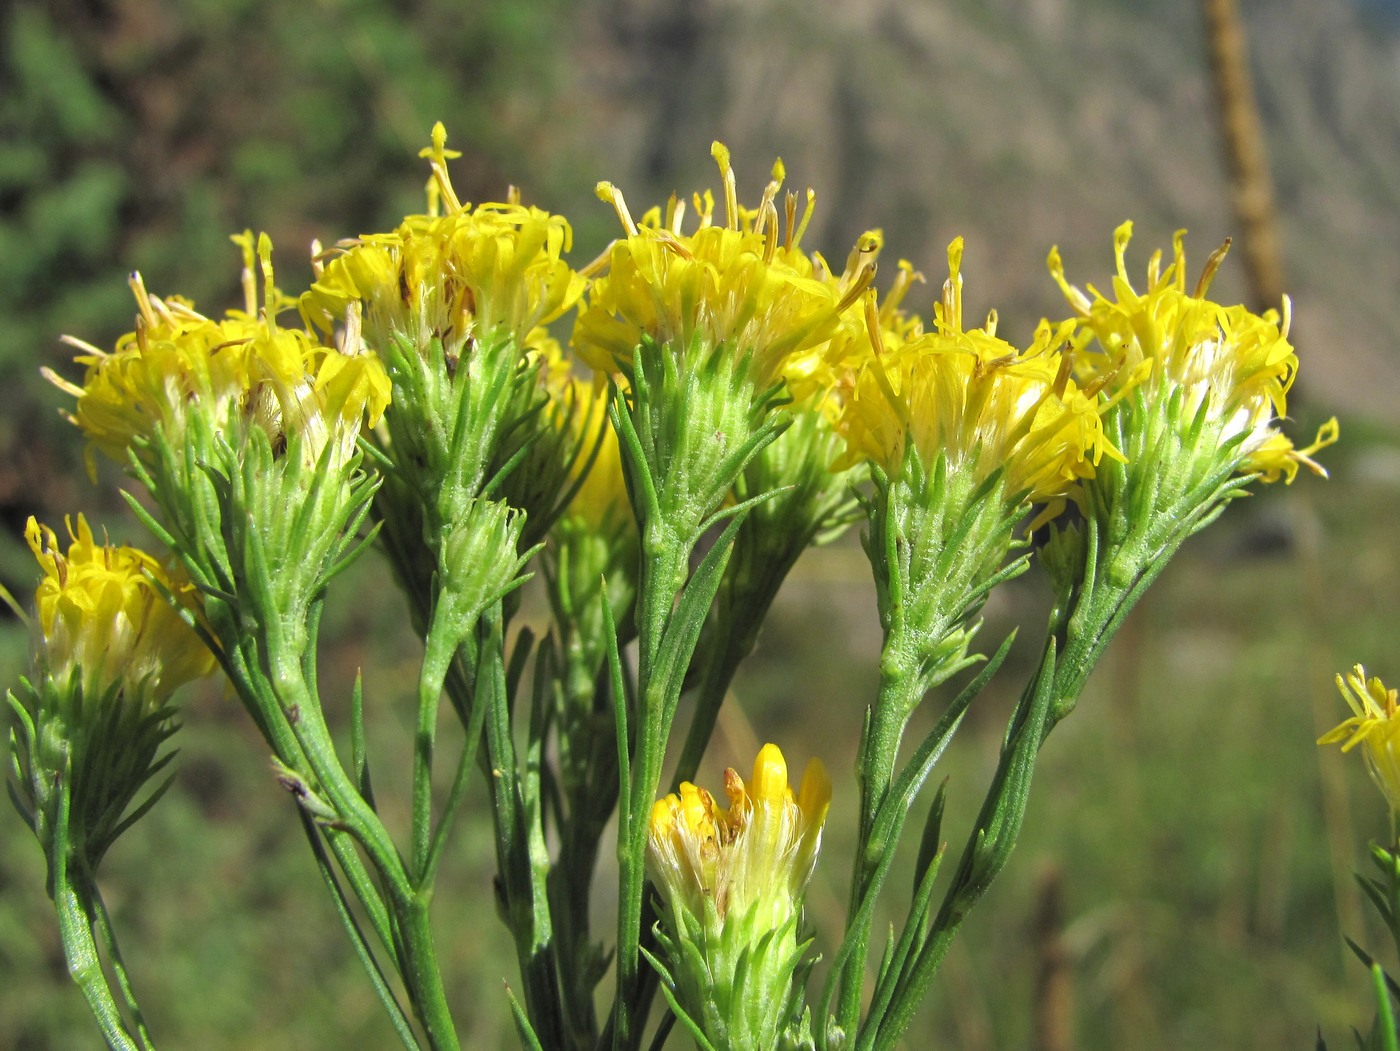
{"points": [[461, 276], [1374, 724], [1236, 365], [975, 399], [239, 371], [746, 286], [103, 615], [760, 851]]}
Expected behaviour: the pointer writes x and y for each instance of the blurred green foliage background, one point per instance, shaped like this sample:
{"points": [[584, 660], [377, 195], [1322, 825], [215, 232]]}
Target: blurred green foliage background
{"points": [[1201, 844]]}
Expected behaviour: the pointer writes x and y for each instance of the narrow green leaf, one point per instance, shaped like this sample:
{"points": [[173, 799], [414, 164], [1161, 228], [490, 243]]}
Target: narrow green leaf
{"points": [[363, 950], [359, 753], [930, 845], [1385, 1014], [678, 1012], [1369, 961], [523, 1029], [683, 630]]}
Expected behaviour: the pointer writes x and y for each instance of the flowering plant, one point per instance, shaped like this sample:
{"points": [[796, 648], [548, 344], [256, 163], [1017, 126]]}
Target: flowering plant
{"points": [[727, 400]]}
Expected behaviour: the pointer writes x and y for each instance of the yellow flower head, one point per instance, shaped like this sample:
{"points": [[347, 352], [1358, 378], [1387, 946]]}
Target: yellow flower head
{"points": [[243, 370], [103, 615], [975, 399], [1374, 724], [1236, 365], [458, 274], [752, 859], [746, 285]]}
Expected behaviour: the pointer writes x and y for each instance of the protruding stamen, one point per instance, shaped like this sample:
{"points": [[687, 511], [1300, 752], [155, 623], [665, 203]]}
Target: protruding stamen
{"points": [[790, 217], [872, 325], [606, 191], [1327, 435], [720, 152], [863, 253], [877, 363], [1121, 237], [84, 346], [350, 340], [1178, 267], [704, 208], [862, 281], [71, 389], [1062, 376], [903, 281], [675, 214], [247, 277], [767, 228], [796, 238], [438, 155], [1056, 266], [952, 288], [1154, 269], [265, 265], [143, 298], [768, 212], [1212, 265]]}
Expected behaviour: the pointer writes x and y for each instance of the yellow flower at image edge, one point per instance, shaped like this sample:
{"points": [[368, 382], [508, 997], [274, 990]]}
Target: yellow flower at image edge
{"points": [[1374, 724], [1236, 364], [102, 614], [757, 854]]}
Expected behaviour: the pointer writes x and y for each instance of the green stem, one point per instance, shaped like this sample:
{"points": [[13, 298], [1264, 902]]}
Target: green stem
{"points": [[85, 966], [418, 964], [631, 861], [442, 644], [900, 690], [735, 642], [423, 978], [988, 849], [76, 920], [102, 923], [664, 561], [589, 783]]}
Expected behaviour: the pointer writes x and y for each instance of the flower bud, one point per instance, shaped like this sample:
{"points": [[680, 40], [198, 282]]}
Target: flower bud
{"points": [[733, 882]]}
